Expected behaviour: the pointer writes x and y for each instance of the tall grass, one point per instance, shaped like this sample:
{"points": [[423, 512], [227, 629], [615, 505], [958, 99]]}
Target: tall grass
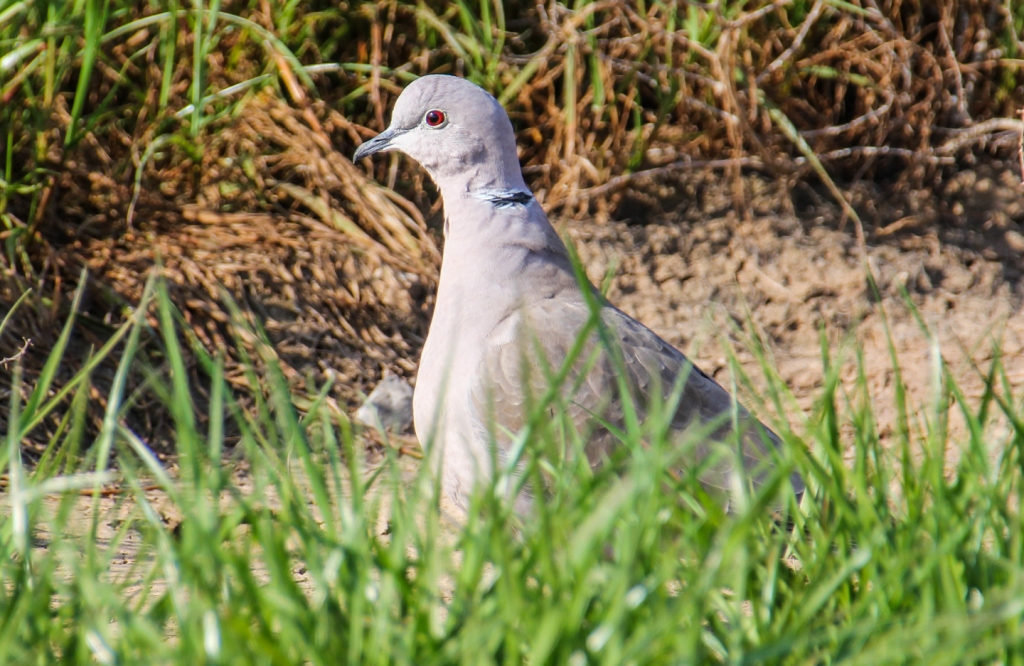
{"points": [[787, 87], [271, 542], [281, 546]]}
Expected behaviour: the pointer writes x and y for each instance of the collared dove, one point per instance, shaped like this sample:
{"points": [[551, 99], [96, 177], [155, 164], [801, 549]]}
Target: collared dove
{"points": [[508, 292]]}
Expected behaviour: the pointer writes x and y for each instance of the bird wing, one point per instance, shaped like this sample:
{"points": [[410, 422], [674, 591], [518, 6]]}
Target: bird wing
{"points": [[512, 375]]}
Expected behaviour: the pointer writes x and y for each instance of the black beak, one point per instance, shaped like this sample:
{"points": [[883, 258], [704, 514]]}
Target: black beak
{"points": [[377, 144]]}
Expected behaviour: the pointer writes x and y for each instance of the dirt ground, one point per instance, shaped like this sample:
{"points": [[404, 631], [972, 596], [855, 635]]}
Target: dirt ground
{"points": [[130, 563], [690, 271]]}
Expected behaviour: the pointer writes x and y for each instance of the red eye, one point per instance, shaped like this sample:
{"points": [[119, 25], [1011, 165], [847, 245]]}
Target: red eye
{"points": [[435, 118]]}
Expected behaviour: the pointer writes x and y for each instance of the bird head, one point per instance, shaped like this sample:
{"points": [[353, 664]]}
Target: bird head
{"points": [[456, 130]]}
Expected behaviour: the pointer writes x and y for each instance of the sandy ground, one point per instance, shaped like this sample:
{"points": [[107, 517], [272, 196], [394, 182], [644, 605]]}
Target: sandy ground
{"points": [[120, 519]]}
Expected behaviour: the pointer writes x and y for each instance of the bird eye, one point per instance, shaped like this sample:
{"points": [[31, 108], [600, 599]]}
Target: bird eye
{"points": [[435, 118]]}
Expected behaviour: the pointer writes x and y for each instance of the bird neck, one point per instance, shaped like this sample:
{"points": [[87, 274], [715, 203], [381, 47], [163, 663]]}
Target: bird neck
{"points": [[480, 182], [486, 219], [493, 246]]}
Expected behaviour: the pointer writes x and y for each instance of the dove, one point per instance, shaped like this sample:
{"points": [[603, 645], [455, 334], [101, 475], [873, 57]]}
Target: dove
{"points": [[508, 295]]}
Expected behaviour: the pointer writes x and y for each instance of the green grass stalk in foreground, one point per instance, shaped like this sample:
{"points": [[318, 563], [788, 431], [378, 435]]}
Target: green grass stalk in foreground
{"points": [[275, 551]]}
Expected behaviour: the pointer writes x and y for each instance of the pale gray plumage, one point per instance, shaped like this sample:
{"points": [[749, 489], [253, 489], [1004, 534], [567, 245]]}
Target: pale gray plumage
{"points": [[389, 406], [507, 284]]}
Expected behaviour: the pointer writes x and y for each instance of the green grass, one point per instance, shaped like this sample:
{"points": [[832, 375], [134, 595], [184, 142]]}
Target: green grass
{"points": [[263, 543], [595, 83], [275, 554]]}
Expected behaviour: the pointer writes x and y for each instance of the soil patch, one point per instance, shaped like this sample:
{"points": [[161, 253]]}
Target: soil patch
{"points": [[695, 272]]}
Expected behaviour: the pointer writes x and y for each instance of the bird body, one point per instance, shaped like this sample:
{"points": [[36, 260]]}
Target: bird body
{"points": [[497, 263], [508, 293]]}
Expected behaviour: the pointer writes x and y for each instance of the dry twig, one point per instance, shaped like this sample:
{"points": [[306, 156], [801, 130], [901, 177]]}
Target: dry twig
{"points": [[18, 354], [809, 20], [1020, 146]]}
